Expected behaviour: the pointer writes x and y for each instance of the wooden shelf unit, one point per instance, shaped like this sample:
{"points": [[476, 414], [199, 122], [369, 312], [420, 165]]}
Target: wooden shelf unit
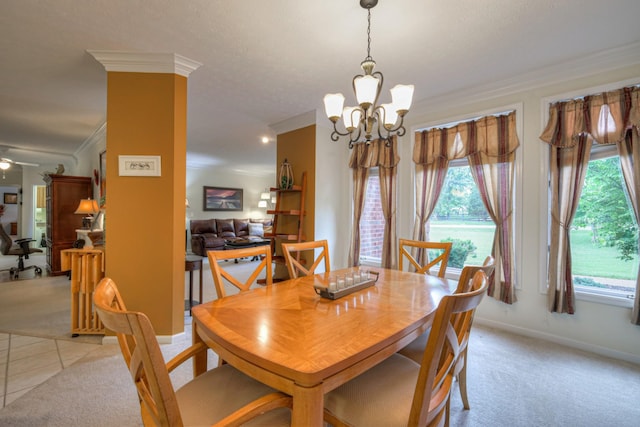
{"points": [[288, 221]]}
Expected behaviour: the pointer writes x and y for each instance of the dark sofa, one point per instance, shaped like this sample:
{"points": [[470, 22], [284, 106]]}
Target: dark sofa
{"points": [[212, 234]]}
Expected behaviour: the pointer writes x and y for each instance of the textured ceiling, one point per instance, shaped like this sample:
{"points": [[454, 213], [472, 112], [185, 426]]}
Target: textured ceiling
{"points": [[267, 61]]}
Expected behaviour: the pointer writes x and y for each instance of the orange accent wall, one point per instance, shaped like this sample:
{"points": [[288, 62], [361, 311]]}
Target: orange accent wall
{"points": [[144, 222], [299, 148]]}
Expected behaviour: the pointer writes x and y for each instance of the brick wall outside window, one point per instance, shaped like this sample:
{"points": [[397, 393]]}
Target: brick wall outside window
{"points": [[372, 221]]}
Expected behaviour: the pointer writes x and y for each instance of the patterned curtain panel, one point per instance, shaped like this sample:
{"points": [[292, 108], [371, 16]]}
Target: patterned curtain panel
{"points": [[489, 144], [363, 157], [606, 118]]}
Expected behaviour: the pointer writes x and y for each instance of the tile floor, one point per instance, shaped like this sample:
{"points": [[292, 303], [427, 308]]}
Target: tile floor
{"points": [[26, 362]]}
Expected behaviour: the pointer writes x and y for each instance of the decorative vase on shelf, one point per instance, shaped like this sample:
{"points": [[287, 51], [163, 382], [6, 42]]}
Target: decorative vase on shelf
{"points": [[285, 177]]}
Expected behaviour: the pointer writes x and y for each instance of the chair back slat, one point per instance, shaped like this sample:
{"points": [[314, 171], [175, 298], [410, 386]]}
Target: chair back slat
{"points": [[442, 353], [417, 253], [292, 255], [220, 274], [138, 344]]}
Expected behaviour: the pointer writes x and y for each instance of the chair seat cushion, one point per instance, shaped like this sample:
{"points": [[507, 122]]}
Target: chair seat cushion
{"points": [[201, 402], [17, 250], [381, 396], [415, 349]]}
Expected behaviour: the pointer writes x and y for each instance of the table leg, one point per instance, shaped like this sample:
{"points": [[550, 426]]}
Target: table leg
{"points": [[201, 297], [308, 406], [190, 290]]}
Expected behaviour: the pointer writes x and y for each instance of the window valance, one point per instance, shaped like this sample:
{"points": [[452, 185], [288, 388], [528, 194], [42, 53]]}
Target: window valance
{"points": [[605, 117], [492, 135], [374, 154]]}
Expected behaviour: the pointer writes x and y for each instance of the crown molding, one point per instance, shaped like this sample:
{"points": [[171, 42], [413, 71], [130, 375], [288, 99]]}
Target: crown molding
{"points": [[145, 62], [293, 123]]}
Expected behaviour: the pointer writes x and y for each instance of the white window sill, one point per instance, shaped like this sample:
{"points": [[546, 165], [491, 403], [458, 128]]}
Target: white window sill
{"points": [[604, 298]]}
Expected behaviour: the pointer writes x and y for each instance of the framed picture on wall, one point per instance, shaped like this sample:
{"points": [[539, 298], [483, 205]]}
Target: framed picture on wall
{"points": [[222, 199], [10, 198]]}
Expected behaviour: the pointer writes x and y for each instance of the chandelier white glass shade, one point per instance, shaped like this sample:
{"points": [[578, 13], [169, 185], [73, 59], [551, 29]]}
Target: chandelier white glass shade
{"points": [[368, 120]]}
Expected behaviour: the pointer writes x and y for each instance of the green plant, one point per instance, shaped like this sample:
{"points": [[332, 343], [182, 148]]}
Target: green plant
{"points": [[460, 250]]}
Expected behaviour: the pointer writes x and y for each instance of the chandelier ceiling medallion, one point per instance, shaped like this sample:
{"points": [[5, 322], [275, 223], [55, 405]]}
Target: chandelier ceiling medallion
{"points": [[369, 120]]}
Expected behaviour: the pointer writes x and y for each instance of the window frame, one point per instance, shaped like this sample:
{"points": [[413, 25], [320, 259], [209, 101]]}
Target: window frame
{"points": [[597, 152], [518, 198]]}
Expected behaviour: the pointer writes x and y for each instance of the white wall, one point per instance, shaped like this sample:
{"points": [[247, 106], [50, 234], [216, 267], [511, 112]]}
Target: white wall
{"points": [[333, 203], [252, 186]]}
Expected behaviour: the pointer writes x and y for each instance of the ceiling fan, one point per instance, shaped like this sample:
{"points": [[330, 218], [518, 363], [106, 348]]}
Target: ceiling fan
{"points": [[6, 163]]}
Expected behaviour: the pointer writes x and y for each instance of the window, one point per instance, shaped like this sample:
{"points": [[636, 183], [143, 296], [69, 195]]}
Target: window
{"points": [[460, 217], [604, 233], [372, 222]]}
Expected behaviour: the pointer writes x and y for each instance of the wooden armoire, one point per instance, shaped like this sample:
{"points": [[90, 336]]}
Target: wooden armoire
{"points": [[63, 196]]}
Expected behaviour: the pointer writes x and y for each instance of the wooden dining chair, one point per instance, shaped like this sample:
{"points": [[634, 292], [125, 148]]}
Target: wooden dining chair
{"points": [[415, 251], [400, 392], [292, 255], [415, 349], [221, 396], [220, 274]]}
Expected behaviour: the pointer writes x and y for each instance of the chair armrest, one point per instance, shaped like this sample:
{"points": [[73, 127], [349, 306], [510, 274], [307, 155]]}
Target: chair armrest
{"points": [[20, 241], [257, 407], [24, 245], [185, 355]]}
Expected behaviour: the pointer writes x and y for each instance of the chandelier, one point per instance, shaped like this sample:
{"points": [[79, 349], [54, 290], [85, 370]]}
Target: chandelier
{"points": [[368, 119]]}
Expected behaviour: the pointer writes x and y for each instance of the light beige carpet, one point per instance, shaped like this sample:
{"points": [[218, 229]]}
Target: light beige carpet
{"points": [[512, 381]]}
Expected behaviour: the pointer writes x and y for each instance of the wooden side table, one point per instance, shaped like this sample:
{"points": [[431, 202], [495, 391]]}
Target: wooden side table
{"points": [[192, 263]]}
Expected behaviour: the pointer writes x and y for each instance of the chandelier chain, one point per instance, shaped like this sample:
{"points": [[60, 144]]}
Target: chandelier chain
{"points": [[369, 58]]}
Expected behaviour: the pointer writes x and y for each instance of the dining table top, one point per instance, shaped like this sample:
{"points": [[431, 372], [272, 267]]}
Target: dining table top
{"points": [[291, 338]]}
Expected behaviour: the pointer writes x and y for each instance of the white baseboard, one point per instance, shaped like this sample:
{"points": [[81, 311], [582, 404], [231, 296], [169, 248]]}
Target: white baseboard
{"points": [[602, 351]]}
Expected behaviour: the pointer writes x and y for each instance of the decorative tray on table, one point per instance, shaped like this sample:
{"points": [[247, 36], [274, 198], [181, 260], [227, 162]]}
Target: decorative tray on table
{"points": [[336, 289]]}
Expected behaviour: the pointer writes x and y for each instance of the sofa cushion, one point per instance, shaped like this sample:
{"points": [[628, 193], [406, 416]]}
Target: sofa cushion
{"points": [[225, 228], [202, 226], [267, 224], [242, 227], [256, 229], [211, 241]]}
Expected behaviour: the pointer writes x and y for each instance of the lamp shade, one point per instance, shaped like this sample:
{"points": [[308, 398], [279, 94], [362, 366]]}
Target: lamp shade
{"points": [[87, 207], [333, 103], [401, 96], [390, 115], [262, 204], [367, 88], [351, 117], [265, 196]]}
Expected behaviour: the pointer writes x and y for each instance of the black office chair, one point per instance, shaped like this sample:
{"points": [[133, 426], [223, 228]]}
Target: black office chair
{"points": [[22, 249]]}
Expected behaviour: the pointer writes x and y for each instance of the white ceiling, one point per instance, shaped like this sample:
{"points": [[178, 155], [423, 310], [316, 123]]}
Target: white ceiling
{"points": [[267, 61]]}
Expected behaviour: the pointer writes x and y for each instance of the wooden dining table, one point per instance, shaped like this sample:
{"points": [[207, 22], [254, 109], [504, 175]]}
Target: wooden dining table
{"points": [[288, 337]]}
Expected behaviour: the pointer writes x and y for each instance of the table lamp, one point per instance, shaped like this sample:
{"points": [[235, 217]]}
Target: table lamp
{"points": [[89, 208]]}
